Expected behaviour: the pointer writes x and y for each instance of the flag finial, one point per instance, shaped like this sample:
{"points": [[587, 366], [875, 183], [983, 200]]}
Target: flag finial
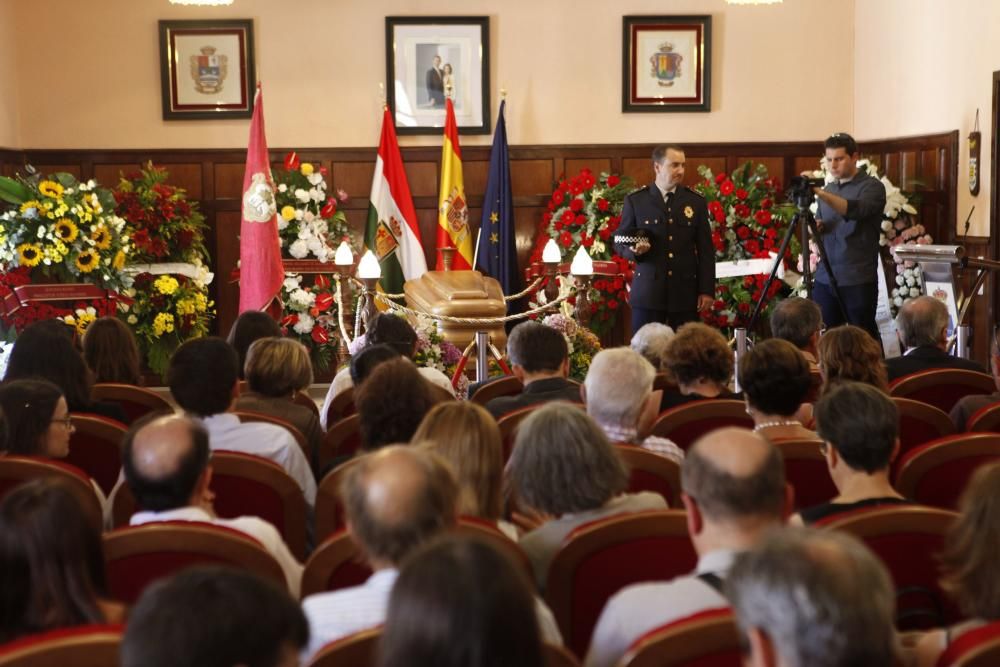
{"points": [[381, 95]]}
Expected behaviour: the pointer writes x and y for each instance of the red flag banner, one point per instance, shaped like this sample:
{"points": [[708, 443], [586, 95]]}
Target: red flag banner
{"points": [[453, 210]]}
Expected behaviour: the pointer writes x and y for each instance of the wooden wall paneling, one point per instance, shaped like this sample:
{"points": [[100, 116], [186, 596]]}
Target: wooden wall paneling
{"points": [[639, 169], [108, 175], [718, 165], [474, 174], [532, 177], [354, 178], [526, 221], [803, 163], [423, 178], [46, 168], [595, 164], [775, 165], [225, 250], [229, 180]]}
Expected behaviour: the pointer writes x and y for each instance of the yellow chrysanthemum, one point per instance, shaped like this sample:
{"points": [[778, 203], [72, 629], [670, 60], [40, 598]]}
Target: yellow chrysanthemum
{"points": [[66, 230], [29, 254], [87, 261], [30, 204], [307, 169], [288, 213], [118, 263], [166, 285], [164, 323], [200, 302], [83, 320], [185, 307], [51, 189], [101, 237]]}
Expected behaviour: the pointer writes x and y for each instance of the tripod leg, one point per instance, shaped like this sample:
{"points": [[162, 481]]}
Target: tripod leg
{"points": [[811, 221], [782, 249]]}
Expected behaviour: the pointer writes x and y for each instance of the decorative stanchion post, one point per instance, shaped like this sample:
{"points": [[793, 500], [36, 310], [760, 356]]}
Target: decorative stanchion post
{"points": [[447, 257], [343, 262], [741, 350], [369, 272], [582, 269], [551, 256]]}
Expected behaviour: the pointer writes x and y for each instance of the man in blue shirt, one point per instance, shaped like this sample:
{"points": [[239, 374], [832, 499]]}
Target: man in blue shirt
{"points": [[849, 218]]}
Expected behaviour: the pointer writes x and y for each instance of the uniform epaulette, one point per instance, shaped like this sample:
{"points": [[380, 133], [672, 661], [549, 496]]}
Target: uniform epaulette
{"points": [[693, 191], [638, 189]]}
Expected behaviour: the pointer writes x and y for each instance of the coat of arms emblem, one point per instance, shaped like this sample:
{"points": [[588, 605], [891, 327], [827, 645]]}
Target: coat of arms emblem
{"points": [[258, 200], [666, 65], [456, 212], [209, 71]]}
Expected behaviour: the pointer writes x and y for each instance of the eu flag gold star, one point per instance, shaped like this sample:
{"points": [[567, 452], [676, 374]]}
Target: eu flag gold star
{"points": [[494, 238], [494, 217]]}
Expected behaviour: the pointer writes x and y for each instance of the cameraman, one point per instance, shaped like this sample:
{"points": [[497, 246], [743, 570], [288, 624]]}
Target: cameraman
{"points": [[849, 218]]}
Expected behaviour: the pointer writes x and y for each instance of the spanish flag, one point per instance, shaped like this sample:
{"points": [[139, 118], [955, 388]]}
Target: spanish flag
{"points": [[453, 210]]}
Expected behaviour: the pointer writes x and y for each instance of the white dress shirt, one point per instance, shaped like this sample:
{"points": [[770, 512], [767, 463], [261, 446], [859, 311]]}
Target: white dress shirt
{"points": [[634, 611], [270, 441], [258, 529], [342, 381]]}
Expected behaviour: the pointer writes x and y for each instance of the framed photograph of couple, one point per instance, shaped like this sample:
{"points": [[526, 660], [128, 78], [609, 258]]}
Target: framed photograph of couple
{"points": [[207, 69], [429, 58], [666, 63]]}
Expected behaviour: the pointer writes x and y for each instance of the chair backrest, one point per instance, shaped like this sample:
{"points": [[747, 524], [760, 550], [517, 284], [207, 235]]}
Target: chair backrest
{"points": [[139, 555], [806, 471], [505, 386], [664, 382], [815, 386], [979, 647], [706, 639], [942, 387], [80, 646], [686, 423], [937, 472], [305, 400], [16, 470], [355, 650], [919, 423], [342, 439], [491, 533], [509, 422], [136, 402], [336, 563], [908, 540], [341, 406], [96, 448], [329, 510], [600, 558], [652, 472], [985, 420], [251, 416]]}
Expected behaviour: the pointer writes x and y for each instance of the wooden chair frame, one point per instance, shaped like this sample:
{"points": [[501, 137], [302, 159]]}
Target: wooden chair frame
{"points": [[979, 647], [333, 552], [802, 449], [984, 420], [929, 380], [637, 458], [354, 650], [306, 401], [933, 416], [128, 393], [682, 641], [28, 468], [329, 511], [918, 462], [101, 428], [340, 407], [332, 444], [682, 415], [505, 386], [83, 646]]}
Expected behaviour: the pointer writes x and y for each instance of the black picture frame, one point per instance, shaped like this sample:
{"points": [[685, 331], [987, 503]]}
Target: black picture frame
{"points": [[221, 67], [657, 80], [418, 106]]}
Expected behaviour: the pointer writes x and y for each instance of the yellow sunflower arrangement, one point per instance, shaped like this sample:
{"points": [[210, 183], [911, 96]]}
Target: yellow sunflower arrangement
{"points": [[67, 231], [51, 189], [29, 254], [87, 261], [101, 237]]}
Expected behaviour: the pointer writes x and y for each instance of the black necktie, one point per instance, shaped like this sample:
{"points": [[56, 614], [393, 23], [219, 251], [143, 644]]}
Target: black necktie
{"points": [[667, 198]]}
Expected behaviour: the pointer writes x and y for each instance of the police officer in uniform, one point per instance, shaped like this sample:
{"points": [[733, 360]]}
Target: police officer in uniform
{"points": [[665, 229]]}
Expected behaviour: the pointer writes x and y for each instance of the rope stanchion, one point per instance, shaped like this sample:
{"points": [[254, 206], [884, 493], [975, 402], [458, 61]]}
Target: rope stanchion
{"points": [[340, 311], [471, 320], [530, 289], [460, 367]]}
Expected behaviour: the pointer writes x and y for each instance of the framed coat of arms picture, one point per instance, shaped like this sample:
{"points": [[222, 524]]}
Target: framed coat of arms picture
{"points": [[207, 69], [666, 63]]}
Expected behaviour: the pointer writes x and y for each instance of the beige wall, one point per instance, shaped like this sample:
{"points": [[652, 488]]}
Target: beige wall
{"points": [[9, 88], [924, 66], [321, 63]]}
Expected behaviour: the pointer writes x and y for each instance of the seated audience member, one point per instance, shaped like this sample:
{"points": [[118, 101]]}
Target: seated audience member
{"points": [[651, 341], [620, 398], [395, 500], [110, 350], [817, 598], [970, 405], [250, 326], [392, 402], [468, 438], [564, 468], [539, 358], [276, 369], [700, 361], [776, 379], [388, 329], [799, 321], [849, 353], [971, 576], [860, 429], [458, 602], [51, 565], [922, 327], [734, 492], [203, 380], [214, 617], [167, 469], [45, 350], [364, 362]]}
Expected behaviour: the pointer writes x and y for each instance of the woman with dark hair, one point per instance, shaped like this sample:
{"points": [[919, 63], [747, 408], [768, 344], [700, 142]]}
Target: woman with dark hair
{"points": [[45, 350], [110, 350], [850, 353], [776, 379], [458, 602], [392, 402], [37, 419], [248, 327], [51, 566], [699, 359]]}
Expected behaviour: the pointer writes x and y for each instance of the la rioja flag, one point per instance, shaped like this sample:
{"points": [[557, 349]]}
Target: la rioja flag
{"points": [[392, 232], [453, 210], [261, 270]]}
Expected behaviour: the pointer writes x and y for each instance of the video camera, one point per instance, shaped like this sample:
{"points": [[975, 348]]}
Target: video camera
{"points": [[801, 189]]}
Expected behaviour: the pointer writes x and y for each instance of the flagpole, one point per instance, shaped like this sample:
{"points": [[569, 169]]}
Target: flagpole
{"points": [[475, 255]]}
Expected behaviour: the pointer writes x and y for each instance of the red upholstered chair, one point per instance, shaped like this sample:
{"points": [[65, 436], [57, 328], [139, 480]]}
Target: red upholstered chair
{"points": [[336, 563], [356, 650], [341, 406], [558, 656], [305, 400], [985, 420], [705, 639], [936, 473], [806, 471], [80, 646], [664, 382], [976, 648], [505, 386], [489, 532], [686, 423], [137, 402], [329, 511], [942, 387], [920, 423], [509, 422], [815, 386], [908, 541], [652, 472], [16, 470], [601, 557], [342, 439], [251, 416], [96, 448], [139, 555]]}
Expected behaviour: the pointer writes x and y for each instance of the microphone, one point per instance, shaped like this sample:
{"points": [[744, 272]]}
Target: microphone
{"points": [[965, 235]]}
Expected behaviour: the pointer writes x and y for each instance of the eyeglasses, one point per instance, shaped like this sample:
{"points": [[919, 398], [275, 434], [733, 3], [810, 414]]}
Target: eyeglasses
{"points": [[824, 447], [66, 421]]}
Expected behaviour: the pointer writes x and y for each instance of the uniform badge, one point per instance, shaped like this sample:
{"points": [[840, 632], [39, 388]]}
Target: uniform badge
{"points": [[688, 212]]}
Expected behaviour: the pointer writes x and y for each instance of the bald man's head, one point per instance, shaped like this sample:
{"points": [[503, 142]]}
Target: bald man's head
{"points": [[164, 459], [734, 473], [397, 498], [922, 321]]}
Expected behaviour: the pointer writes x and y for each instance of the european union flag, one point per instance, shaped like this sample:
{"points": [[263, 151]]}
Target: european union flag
{"points": [[497, 248]]}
